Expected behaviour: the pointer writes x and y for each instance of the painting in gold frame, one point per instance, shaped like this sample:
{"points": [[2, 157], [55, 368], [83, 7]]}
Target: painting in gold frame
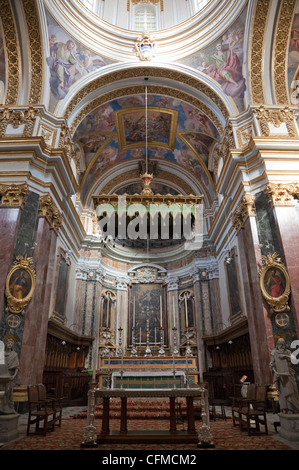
{"points": [[275, 283], [20, 284], [156, 126]]}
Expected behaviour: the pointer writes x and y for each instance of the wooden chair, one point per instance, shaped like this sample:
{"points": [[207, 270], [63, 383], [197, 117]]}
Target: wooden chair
{"points": [[240, 402], [40, 412], [253, 412], [214, 402], [54, 403]]}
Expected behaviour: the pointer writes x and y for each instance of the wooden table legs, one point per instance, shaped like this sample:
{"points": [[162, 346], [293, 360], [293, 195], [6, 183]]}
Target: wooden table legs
{"points": [[105, 419], [172, 414], [173, 433], [123, 415]]}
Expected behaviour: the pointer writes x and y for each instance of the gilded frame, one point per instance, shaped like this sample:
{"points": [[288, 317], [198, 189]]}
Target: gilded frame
{"points": [[122, 114], [20, 284], [275, 283]]}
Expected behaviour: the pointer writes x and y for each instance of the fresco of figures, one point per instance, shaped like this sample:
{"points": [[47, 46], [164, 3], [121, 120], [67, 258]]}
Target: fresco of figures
{"points": [[223, 61], [68, 61], [116, 131]]}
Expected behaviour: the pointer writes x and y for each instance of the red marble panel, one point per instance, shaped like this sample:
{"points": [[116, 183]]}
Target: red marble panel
{"points": [[259, 323], [9, 220], [288, 226], [37, 314]]}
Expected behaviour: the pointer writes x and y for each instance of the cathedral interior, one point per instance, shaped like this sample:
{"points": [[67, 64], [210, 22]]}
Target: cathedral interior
{"points": [[149, 185]]}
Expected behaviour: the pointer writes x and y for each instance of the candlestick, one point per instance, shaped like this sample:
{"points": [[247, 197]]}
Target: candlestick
{"points": [[134, 313], [161, 311], [107, 319], [161, 350], [173, 310], [186, 311]]}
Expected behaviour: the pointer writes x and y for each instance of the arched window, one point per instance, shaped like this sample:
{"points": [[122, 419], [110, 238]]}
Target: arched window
{"points": [[199, 4], [90, 4], [145, 18]]}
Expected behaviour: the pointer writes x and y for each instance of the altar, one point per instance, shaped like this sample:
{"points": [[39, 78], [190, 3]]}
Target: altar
{"points": [[189, 435], [147, 372]]}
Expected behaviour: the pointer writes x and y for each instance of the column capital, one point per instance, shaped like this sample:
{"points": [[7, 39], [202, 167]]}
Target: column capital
{"points": [[13, 194], [244, 209], [49, 210], [281, 194]]}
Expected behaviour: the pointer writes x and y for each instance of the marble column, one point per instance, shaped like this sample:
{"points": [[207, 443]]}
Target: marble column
{"points": [[39, 309], [9, 220], [286, 215], [259, 321]]}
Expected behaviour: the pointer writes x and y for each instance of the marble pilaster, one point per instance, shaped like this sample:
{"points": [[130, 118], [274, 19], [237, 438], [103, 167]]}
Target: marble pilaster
{"points": [[37, 314], [9, 220]]}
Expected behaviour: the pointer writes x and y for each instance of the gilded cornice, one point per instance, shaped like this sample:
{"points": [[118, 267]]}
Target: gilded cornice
{"points": [[35, 42], [256, 59], [244, 209], [281, 50], [276, 117], [12, 51], [281, 194], [49, 210], [174, 75], [16, 118], [224, 148], [13, 195]]}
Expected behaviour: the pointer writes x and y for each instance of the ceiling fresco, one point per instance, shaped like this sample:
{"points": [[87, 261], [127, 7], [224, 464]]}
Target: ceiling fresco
{"points": [[223, 61], [68, 61], [115, 131]]}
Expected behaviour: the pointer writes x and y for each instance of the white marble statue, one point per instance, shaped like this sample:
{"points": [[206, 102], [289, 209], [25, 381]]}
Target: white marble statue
{"points": [[284, 378]]}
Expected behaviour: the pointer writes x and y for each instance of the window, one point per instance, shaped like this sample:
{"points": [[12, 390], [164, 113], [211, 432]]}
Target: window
{"points": [[91, 4], [145, 18], [199, 4]]}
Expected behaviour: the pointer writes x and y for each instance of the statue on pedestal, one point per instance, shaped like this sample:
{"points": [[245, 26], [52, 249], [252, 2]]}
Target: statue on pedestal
{"points": [[284, 378], [9, 367]]}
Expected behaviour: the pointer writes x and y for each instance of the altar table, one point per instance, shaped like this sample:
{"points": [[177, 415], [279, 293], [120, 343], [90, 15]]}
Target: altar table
{"points": [[173, 435]]}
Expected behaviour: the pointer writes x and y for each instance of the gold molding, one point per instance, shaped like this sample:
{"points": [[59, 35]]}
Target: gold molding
{"points": [[17, 117], [36, 54], [13, 195], [120, 117], [276, 117], [244, 209], [146, 199], [280, 53], [256, 59], [12, 53], [281, 194], [20, 284]]}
